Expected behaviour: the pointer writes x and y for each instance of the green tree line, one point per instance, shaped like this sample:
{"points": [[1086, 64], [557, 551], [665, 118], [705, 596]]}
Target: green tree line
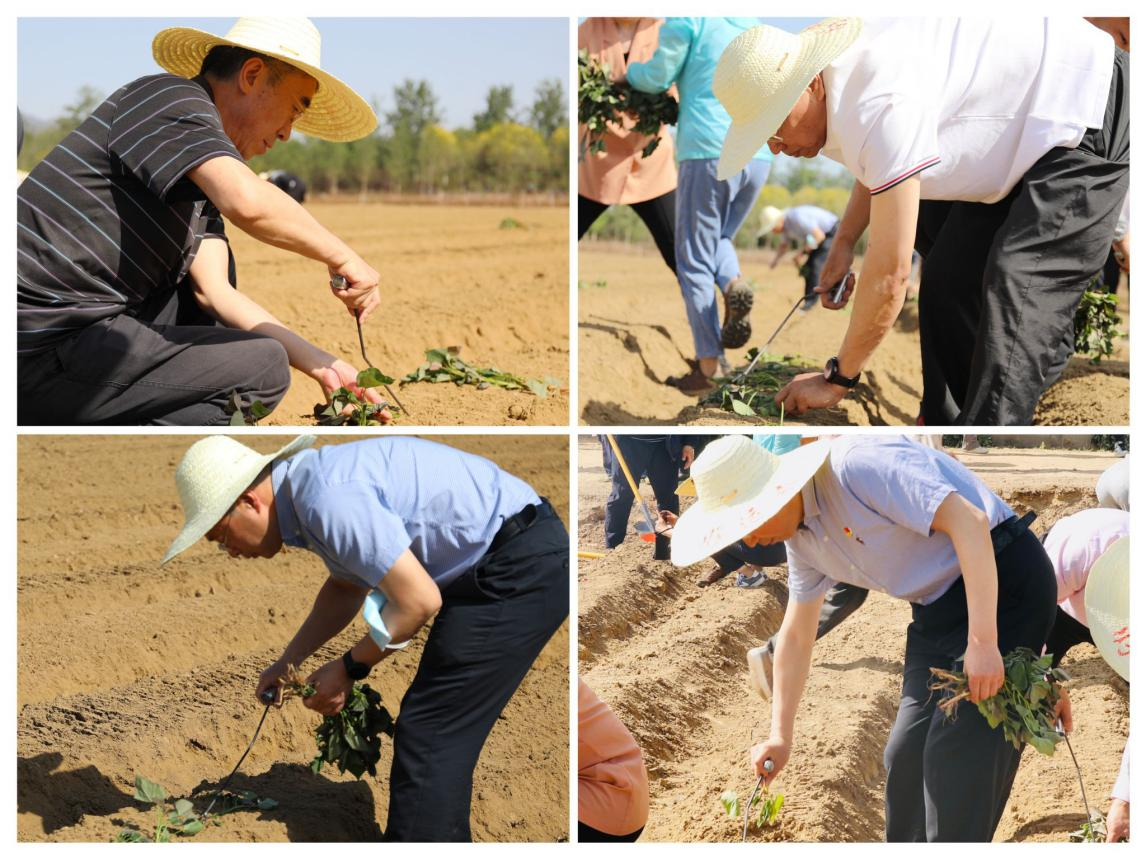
{"points": [[506, 149]]}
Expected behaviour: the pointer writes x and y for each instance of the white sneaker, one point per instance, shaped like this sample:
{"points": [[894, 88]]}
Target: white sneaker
{"points": [[753, 581], [760, 670]]}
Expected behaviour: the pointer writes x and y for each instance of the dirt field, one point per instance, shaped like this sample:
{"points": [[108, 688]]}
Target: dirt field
{"points": [[450, 277], [125, 669], [669, 658], [634, 334]]}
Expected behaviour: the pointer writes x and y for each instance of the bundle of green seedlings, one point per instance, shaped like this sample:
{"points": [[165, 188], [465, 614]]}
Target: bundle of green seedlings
{"points": [[1096, 324], [1024, 706], [762, 811], [351, 739], [178, 817], [349, 406], [753, 395], [601, 100], [444, 365]]}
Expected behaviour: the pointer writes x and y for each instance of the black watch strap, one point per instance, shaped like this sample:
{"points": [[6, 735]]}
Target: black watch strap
{"points": [[354, 670], [832, 374]]}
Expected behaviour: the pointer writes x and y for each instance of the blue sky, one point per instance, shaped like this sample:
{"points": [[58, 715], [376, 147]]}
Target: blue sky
{"points": [[461, 58]]}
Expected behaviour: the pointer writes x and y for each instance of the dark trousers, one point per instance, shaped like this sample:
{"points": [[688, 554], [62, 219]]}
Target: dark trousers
{"points": [[839, 604], [734, 557], [649, 459], [493, 623], [814, 264], [659, 215], [586, 833], [949, 779], [168, 363], [1065, 634], [1001, 282]]}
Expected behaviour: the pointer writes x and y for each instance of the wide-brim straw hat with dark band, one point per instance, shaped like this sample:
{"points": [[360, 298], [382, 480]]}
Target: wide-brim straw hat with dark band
{"points": [[760, 76], [336, 113], [1107, 599]]}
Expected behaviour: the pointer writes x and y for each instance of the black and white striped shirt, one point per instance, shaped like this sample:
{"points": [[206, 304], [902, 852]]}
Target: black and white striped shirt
{"points": [[109, 217]]}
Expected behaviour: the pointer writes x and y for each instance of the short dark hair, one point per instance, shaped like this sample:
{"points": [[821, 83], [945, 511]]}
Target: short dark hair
{"points": [[223, 62]]}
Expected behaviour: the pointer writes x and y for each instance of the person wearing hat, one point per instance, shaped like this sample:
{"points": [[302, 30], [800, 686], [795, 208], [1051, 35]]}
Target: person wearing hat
{"points": [[709, 210], [657, 457], [126, 306], [621, 174], [410, 531], [884, 513], [1014, 134], [1113, 486], [812, 230]]}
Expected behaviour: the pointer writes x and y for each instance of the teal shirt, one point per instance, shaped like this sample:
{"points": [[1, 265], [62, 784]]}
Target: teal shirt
{"points": [[687, 54]]}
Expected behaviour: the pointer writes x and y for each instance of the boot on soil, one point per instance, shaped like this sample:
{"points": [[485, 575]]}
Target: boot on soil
{"points": [[737, 329]]}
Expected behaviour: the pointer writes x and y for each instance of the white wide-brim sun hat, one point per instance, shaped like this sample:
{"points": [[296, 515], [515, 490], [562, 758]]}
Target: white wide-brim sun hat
{"points": [[1107, 598], [770, 216], [739, 487], [336, 113], [212, 475], [760, 76]]}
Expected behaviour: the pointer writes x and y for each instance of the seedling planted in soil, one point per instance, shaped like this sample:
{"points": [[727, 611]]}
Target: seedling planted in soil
{"points": [[349, 407], [179, 816], [753, 395], [762, 810], [242, 415], [443, 365]]}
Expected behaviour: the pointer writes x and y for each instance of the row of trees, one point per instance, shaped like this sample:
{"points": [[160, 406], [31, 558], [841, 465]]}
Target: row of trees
{"points": [[506, 149]]}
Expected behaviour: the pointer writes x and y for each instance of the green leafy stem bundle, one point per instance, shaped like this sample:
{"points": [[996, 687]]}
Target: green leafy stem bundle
{"points": [[444, 365], [753, 395], [1096, 325], [601, 100]]}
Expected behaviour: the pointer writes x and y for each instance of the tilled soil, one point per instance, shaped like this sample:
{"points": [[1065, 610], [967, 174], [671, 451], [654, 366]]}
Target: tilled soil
{"points": [[668, 657], [633, 335], [449, 277], [124, 668]]}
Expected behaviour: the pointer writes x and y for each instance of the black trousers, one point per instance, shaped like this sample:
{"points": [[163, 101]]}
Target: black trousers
{"points": [[840, 602], [493, 623], [1065, 634], [949, 779], [814, 264], [649, 459], [168, 363], [659, 215], [1001, 282], [586, 833], [734, 557]]}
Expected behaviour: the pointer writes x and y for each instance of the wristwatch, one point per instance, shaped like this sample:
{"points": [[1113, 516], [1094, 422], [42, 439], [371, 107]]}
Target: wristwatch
{"points": [[832, 374], [354, 670]]}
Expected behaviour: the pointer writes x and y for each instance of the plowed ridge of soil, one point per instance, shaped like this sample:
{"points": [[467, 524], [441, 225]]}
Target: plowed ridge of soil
{"points": [[449, 277], [634, 335], [668, 657], [125, 669]]}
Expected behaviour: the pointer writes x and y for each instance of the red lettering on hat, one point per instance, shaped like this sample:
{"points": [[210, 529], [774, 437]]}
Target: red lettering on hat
{"points": [[1122, 641]]}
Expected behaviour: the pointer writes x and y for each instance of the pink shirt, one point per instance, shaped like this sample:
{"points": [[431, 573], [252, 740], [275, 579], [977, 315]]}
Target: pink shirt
{"points": [[620, 174], [1074, 544], [612, 784]]}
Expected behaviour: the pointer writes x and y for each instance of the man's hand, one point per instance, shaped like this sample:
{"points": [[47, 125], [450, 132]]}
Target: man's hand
{"points": [[269, 679], [361, 292], [331, 688], [983, 665], [809, 391], [1062, 711], [340, 374], [1118, 821], [687, 455], [836, 267], [1121, 249], [773, 749]]}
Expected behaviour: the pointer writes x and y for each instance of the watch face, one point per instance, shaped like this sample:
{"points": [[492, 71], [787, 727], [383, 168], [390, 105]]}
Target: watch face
{"points": [[829, 369]]}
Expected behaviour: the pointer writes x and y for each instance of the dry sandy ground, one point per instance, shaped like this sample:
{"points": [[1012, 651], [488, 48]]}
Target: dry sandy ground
{"points": [[450, 277], [633, 335], [125, 669], [669, 659]]}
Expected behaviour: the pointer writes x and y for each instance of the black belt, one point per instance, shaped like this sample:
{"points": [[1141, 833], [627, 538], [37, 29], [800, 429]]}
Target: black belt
{"points": [[1009, 530], [520, 522]]}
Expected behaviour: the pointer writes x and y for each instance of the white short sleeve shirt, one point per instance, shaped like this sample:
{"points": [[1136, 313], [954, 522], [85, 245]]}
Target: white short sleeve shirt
{"points": [[968, 104]]}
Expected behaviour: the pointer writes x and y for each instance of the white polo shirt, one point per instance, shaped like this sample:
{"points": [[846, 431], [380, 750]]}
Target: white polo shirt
{"points": [[969, 104]]}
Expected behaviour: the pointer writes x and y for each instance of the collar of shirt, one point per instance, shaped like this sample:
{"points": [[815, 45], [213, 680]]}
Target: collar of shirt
{"points": [[284, 504]]}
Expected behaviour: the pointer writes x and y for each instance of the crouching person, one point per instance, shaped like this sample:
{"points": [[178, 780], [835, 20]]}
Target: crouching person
{"points": [[424, 531]]}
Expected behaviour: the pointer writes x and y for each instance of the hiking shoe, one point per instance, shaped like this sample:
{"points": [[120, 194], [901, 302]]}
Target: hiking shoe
{"points": [[753, 581], [760, 670], [810, 302], [737, 329]]}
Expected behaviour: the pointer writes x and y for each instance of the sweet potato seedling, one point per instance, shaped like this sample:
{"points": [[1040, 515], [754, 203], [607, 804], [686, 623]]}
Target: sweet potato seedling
{"points": [[444, 365], [178, 817], [601, 100], [349, 407], [753, 395], [1096, 325], [763, 810]]}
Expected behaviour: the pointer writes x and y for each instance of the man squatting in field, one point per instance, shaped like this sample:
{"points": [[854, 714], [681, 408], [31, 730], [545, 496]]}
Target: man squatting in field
{"points": [[998, 148], [886, 514], [429, 532], [126, 311]]}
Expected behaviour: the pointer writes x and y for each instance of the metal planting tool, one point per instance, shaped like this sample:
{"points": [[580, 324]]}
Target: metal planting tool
{"points": [[340, 283]]}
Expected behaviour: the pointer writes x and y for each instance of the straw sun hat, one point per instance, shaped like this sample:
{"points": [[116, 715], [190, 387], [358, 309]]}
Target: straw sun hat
{"points": [[1108, 605], [760, 77], [336, 112], [212, 475], [770, 216], [739, 487]]}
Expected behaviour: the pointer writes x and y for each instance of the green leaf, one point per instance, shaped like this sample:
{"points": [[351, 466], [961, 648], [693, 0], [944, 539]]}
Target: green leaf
{"points": [[237, 420], [192, 827], [742, 408], [372, 377], [258, 410], [184, 808], [131, 836], [730, 799], [540, 389], [148, 791]]}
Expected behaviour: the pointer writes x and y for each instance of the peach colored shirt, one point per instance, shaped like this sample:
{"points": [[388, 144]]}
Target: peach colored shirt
{"points": [[612, 785], [620, 174]]}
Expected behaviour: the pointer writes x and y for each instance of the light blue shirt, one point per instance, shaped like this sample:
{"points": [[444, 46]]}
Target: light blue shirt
{"points": [[776, 442], [867, 520], [799, 221], [688, 50], [359, 506]]}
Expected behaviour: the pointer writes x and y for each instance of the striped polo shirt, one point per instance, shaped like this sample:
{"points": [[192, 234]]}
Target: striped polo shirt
{"points": [[109, 217]]}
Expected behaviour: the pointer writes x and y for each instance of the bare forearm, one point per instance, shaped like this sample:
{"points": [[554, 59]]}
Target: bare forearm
{"points": [[793, 660], [878, 299], [856, 216], [272, 216], [334, 608]]}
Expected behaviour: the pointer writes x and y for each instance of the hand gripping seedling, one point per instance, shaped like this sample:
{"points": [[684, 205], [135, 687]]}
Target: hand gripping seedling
{"points": [[268, 698], [340, 283]]}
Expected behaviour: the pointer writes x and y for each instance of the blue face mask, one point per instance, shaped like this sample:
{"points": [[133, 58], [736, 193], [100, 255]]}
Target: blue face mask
{"points": [[372, 614]]}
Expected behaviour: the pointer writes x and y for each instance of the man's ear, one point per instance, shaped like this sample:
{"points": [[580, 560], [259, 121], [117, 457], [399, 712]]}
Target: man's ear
{"points": [[249, 74]]}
